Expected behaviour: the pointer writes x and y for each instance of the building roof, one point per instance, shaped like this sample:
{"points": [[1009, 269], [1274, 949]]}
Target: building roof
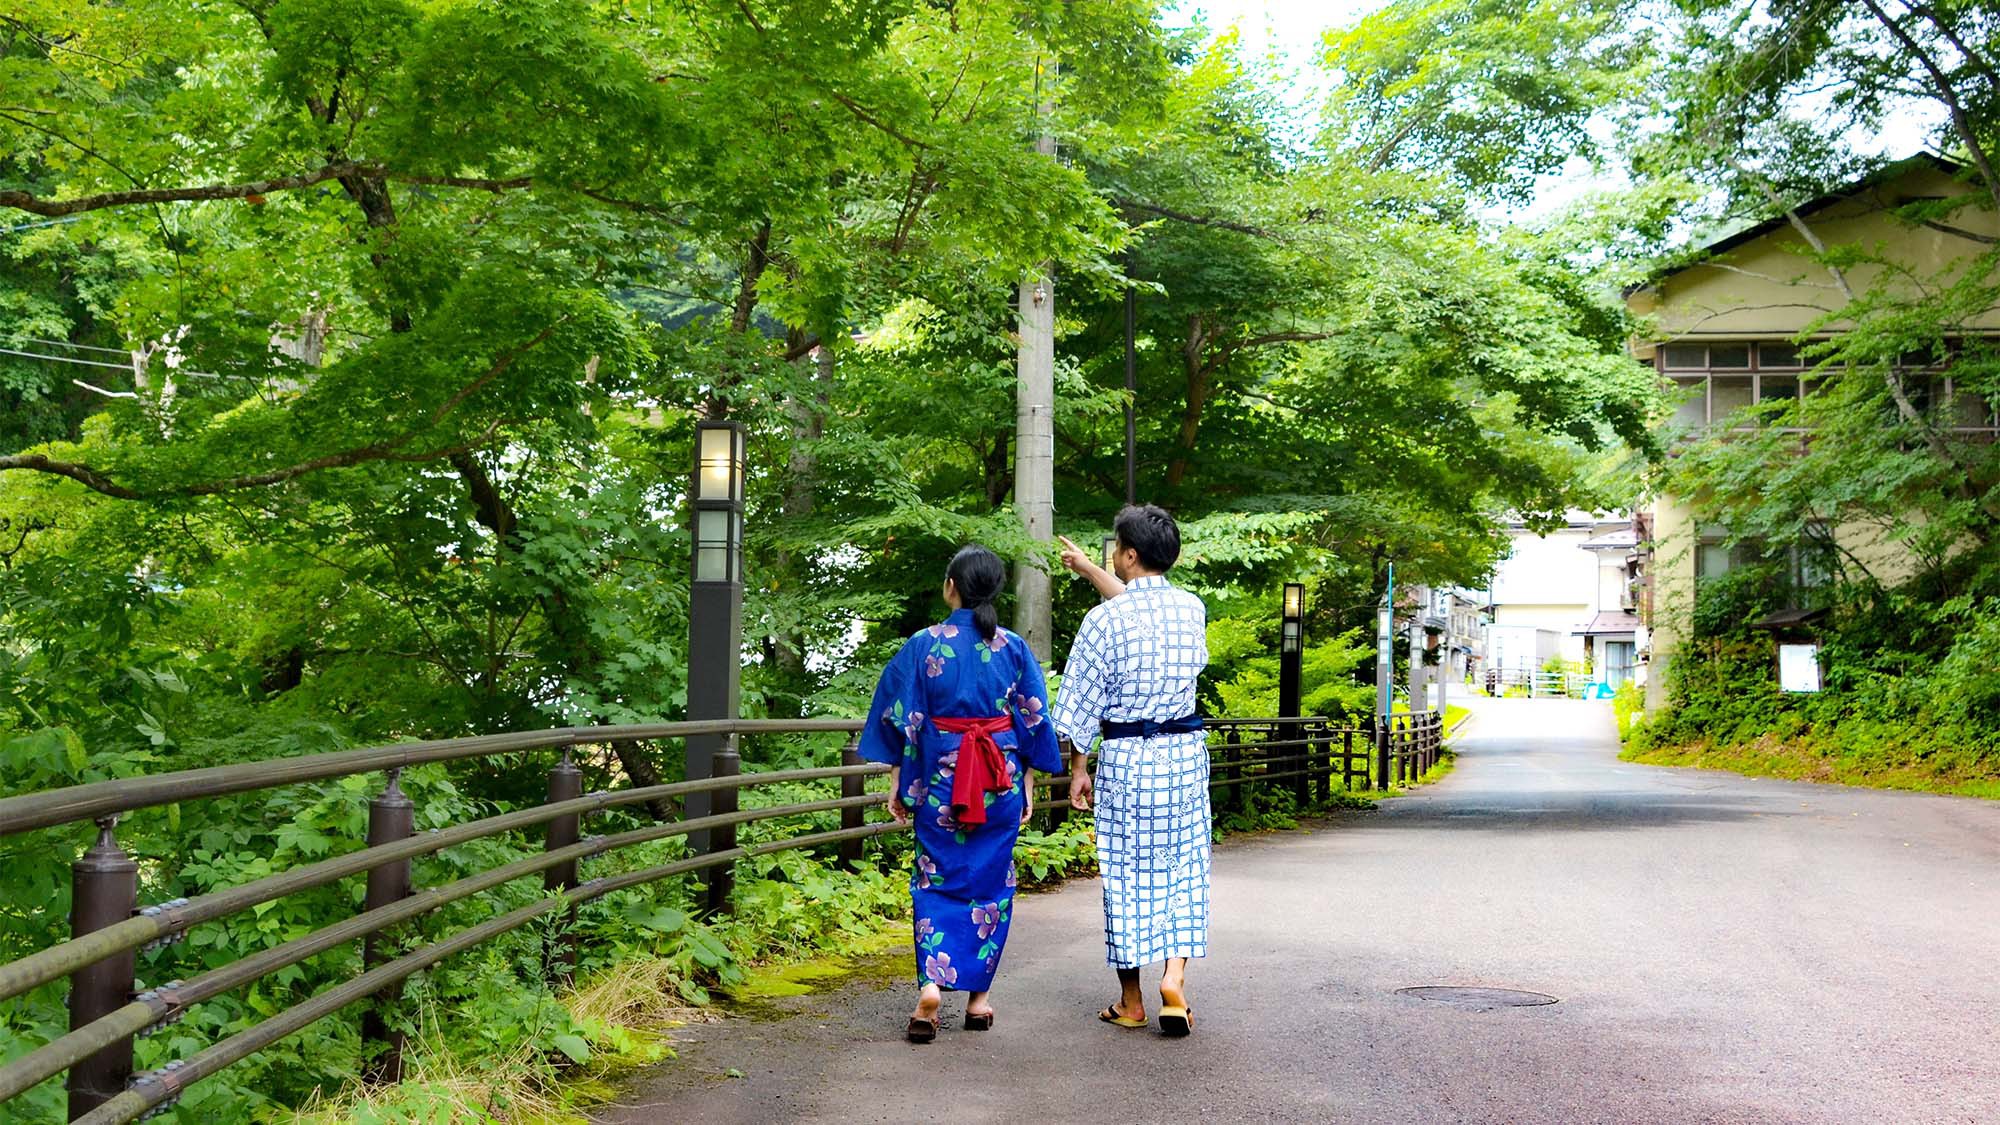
{"points": [[1788, 619], [1623, 539], [1609, 622], [1696, 255]]}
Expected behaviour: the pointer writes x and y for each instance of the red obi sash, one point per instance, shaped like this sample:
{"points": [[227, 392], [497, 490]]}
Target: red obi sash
{"points": [[981, 768]]}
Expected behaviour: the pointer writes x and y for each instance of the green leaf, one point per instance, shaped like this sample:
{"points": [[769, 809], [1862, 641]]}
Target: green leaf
{"points": [[574, 1046]]}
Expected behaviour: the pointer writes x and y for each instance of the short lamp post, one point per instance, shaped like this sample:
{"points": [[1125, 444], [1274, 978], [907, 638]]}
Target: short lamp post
{"points": [[715, 600], [1110, 552]]}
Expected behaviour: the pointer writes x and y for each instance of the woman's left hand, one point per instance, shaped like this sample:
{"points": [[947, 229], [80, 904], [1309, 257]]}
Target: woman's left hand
{"points": [[1028, 802]]}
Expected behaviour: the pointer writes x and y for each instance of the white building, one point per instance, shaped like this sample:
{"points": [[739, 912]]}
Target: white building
{"points": [[1569, 594]]}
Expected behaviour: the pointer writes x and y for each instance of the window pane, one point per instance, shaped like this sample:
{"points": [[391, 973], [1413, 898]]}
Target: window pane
{"points": [[711, 527], [1919, 390], [1777, 388], [1729, 355], [1693, 411], [1968, 410], [711, 564], [1685, 356], [1726, 394], [1710, 560], [1777, 355]]}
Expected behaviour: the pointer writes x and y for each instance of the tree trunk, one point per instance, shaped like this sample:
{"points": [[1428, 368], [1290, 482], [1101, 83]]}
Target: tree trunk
{"points": [[808, 416], [1035, 438], [1194, 356]]}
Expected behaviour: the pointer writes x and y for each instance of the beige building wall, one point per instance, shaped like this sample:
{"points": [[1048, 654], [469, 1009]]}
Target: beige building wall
{"points": [[1769, 289], [1672, 574]]}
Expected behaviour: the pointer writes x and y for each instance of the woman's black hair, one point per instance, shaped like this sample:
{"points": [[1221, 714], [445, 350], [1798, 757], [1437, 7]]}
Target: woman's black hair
{"points": [[979, 574]]}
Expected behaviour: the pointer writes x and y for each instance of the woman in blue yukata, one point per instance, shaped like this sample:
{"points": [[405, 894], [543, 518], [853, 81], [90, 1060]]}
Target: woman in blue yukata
{"points": [[959, 718]]}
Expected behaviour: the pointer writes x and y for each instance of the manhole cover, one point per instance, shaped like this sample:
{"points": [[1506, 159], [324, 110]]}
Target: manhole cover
{"points": [[1477, 999]]}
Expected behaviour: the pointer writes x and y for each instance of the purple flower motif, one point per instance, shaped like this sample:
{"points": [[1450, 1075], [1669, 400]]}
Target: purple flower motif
{"points": [[926, 871], [919, 791], [933, 665], [1010, 874], [946, 821], [913, 726], [1030, 710], [947, 766], [938, 970], [944, 630], [998, 640], [924, 926], [987, 918]]}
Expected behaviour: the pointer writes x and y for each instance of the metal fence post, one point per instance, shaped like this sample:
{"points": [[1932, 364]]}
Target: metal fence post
{"points": [[1232, 753], [1347, 761], [1378, 727], [1322, 750], [104, 884], [391, 817], [852, 785], [722, 877], [1059, 793], [1301, 733], [559, 947]]}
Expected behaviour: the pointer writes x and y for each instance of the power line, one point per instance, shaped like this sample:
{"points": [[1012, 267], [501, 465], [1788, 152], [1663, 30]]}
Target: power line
{"points": [[43, 223], [112, 366], [68, 344]]}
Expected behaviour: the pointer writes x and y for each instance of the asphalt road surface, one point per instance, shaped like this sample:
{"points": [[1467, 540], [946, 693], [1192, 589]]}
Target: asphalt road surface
{"points": [[1722, 949]]}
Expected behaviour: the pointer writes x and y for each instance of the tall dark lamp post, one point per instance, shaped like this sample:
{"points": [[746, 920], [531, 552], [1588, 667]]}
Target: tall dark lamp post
{"points": [[1291, 644], [715, 600]]}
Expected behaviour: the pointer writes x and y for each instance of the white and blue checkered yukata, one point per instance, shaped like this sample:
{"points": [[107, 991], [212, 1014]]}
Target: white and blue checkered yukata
{"points": [[1136, 660]]}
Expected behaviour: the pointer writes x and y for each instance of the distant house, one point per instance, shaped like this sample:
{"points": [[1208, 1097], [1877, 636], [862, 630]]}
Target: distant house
{"points": [[1726, 334], [1565, 594]]}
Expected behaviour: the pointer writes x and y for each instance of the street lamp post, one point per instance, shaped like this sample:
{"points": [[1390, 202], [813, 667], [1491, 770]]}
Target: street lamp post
{"points": [[1385, 667], [1291, 644], [715, 600], [1110, 552]]}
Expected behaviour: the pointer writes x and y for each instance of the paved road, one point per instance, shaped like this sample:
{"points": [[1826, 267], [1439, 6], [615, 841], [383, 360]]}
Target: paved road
{"points": [[1723, 949]]}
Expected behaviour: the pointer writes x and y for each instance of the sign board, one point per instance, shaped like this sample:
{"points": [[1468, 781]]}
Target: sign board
{"points": [[1798, 667]]}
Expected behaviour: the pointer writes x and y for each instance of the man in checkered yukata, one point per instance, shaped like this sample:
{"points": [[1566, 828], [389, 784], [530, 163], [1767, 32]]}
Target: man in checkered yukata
{"points": [[1131, 683]]}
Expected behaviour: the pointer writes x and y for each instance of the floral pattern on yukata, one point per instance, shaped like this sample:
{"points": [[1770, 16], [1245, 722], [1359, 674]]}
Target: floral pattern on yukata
{"points": [[962, 880]]}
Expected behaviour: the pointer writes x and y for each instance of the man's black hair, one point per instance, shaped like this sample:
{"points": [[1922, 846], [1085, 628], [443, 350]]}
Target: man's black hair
{"points": [[1149, 530]]}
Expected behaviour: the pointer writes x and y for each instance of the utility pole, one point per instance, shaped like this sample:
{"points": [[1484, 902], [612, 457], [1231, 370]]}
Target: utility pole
{"points": [[1131, 385], [1035, 430]]}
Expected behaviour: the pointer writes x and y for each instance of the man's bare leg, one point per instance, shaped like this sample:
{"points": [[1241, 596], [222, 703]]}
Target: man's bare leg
{"points": [[1131, 1001]]}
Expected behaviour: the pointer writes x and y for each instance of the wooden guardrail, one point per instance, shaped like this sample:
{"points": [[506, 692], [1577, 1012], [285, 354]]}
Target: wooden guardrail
{"points": [[109, 926]]}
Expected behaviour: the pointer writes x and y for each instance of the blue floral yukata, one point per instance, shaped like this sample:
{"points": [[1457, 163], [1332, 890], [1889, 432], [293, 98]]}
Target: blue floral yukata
{"points": [[962, 885]]}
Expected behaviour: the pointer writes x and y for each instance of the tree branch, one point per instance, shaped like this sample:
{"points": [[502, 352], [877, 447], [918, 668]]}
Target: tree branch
{"points": [[390, 450], [1961, 123], [54, 208], [1197, 220], [1968, 235]]}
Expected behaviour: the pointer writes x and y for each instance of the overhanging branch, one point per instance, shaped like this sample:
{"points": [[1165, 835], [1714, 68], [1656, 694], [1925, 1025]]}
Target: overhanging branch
{"points": [[394, 449], [56, 208]]}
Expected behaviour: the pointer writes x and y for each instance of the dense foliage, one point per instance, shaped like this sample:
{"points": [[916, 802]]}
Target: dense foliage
{"points": [[352, 352]]}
